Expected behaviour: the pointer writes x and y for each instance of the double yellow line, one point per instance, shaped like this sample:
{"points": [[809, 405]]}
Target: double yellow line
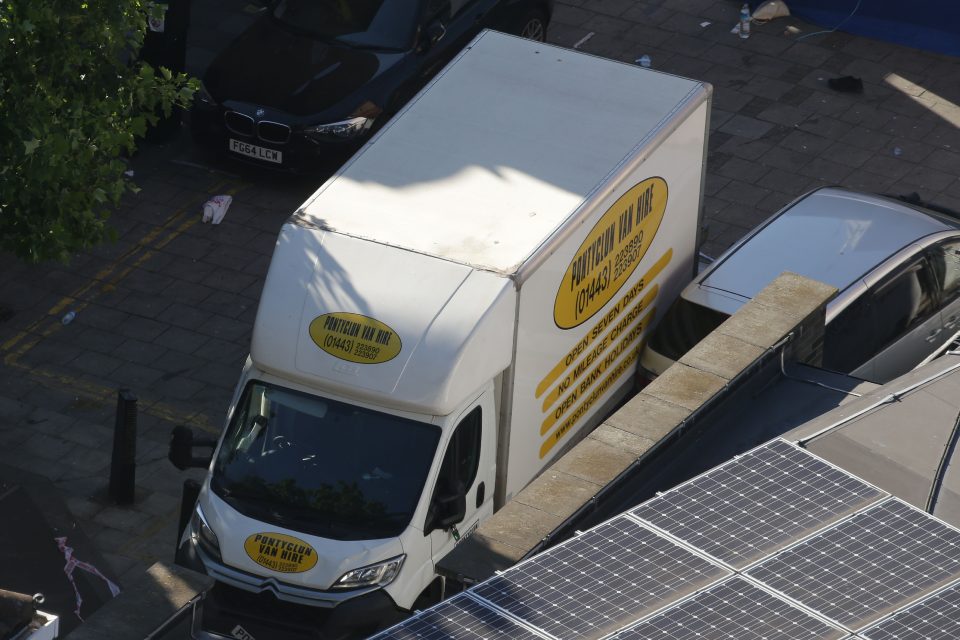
{"points": [[102, 282]]}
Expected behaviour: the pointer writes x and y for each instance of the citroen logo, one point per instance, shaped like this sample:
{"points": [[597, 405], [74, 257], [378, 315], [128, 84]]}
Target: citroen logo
{"points": [[260, 112]]}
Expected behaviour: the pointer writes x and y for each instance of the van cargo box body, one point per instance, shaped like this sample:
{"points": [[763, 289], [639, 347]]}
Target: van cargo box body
{"points": [[476, 204], [504, 242]]}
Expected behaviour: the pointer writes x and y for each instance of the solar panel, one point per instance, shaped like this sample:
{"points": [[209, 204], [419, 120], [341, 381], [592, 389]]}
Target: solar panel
{"points": [[866, 566], [460, 618], [757, 503], [603, 579], [937, 617], [732, 609]]}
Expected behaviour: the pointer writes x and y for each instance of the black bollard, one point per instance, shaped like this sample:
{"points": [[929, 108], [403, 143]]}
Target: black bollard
{"points": [[123, 463]]}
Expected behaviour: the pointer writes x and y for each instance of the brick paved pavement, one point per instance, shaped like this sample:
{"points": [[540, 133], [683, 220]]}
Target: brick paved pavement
{"points": [[777, 129], [167, 310]]}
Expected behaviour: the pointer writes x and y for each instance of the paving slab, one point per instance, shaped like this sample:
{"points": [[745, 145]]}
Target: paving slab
{"points": [[168, 309]]}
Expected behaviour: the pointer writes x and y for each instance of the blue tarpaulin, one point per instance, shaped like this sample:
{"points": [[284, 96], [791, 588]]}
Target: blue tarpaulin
{"points": [[932, 25]]}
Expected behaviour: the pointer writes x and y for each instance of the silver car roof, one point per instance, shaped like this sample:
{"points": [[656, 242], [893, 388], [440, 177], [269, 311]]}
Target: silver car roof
{"points": [[832, 235]]}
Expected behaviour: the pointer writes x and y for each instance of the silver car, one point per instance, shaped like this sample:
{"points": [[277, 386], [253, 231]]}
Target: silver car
{"points": [[897, 267]]}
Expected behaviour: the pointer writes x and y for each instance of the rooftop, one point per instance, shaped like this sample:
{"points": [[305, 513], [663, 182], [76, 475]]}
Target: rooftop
{"points": [[901, 436], [786, 540]]}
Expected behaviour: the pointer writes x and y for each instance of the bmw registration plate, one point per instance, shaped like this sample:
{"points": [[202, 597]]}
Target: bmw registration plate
{"points": [[257, 152]]}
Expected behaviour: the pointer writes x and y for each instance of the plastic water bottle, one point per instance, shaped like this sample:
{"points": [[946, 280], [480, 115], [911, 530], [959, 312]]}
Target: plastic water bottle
{"points": [[745, 21], [644, 61]]}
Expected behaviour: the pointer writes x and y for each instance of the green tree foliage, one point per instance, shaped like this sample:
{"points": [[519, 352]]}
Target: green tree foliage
{"points": [[73, 100]]}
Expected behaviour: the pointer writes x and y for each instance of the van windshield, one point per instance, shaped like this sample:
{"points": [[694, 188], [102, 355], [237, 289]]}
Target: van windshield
{"points": [[683, 326], [322, 467]]}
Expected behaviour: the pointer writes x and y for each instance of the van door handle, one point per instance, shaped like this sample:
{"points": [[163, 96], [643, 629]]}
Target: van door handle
{"points": [[481, 491], [933, 335]]}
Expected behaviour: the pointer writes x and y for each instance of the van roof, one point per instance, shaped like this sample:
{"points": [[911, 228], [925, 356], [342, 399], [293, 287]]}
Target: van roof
{"points": [[831, 235], [481, 176], [451, 332]]}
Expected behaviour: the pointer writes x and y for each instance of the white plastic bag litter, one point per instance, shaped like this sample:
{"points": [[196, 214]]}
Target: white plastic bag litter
{"points": [[770, 10], [215, 208]]}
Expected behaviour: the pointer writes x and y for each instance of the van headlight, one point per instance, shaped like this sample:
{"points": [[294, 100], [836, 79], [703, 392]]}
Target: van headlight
{"points": [[375, 575], [203, 535]]}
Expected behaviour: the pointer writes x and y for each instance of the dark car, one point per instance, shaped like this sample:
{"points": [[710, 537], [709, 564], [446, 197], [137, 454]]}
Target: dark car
{"points": [[312, 79]]}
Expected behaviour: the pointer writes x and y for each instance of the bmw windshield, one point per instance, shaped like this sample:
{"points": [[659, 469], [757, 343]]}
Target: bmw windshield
{"points": [[378, 24], [323, 467]]}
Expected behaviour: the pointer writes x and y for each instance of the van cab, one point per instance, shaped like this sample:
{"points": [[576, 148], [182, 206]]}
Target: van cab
{"points": [[897, 267]]}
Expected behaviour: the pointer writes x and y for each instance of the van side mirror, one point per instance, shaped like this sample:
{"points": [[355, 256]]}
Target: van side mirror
{"points": [[182, 444], [447, 510]]}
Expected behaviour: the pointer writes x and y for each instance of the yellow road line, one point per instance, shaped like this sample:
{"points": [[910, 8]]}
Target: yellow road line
{"points": [[73, 300], [107, 279], [93, 391]]}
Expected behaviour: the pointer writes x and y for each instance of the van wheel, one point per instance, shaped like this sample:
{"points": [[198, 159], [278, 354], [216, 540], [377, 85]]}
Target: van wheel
{"points": [[533, 25], [430, 596]]}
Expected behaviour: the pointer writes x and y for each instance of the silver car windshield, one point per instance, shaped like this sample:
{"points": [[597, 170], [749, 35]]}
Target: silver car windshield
{"points": [[323, 467]]}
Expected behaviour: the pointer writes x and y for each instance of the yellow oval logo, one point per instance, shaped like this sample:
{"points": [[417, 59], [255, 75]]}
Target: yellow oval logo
{"points": [[355, 338], [280, 552], [610, 253]]}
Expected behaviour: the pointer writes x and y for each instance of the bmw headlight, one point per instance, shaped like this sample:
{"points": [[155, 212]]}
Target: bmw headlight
{"points": [[343, 130], [357, 124], [380, 575], [203, 535]]}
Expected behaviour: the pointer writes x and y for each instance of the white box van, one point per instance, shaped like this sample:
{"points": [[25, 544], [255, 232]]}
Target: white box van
{"points": [[444, 317]]}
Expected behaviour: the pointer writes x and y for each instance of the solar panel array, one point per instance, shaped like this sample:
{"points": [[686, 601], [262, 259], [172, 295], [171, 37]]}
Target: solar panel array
{"points": [[868, 565], [600, 580], [757, 503], [936, 617], [462, 618], [732, 609], [776, 543]]}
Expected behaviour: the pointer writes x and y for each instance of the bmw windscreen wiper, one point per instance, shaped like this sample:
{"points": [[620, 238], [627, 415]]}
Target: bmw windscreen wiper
{"points": [[359, 46]]}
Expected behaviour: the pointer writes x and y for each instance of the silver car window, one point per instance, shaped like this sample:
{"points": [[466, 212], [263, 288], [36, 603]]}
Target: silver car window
{"points": [[945, 259], [849, 339], [904, 301]]}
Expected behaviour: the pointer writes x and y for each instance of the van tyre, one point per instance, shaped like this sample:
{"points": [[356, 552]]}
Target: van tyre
{"points": [[533, 25], [430, 596]]}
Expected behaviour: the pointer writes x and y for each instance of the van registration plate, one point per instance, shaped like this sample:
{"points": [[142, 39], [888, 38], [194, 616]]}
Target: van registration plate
{"points": [[254, 151]]}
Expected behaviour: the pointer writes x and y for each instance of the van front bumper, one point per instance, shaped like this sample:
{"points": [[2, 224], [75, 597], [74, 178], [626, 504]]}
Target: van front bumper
{"points": [[260, 616], [281, 610]]}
